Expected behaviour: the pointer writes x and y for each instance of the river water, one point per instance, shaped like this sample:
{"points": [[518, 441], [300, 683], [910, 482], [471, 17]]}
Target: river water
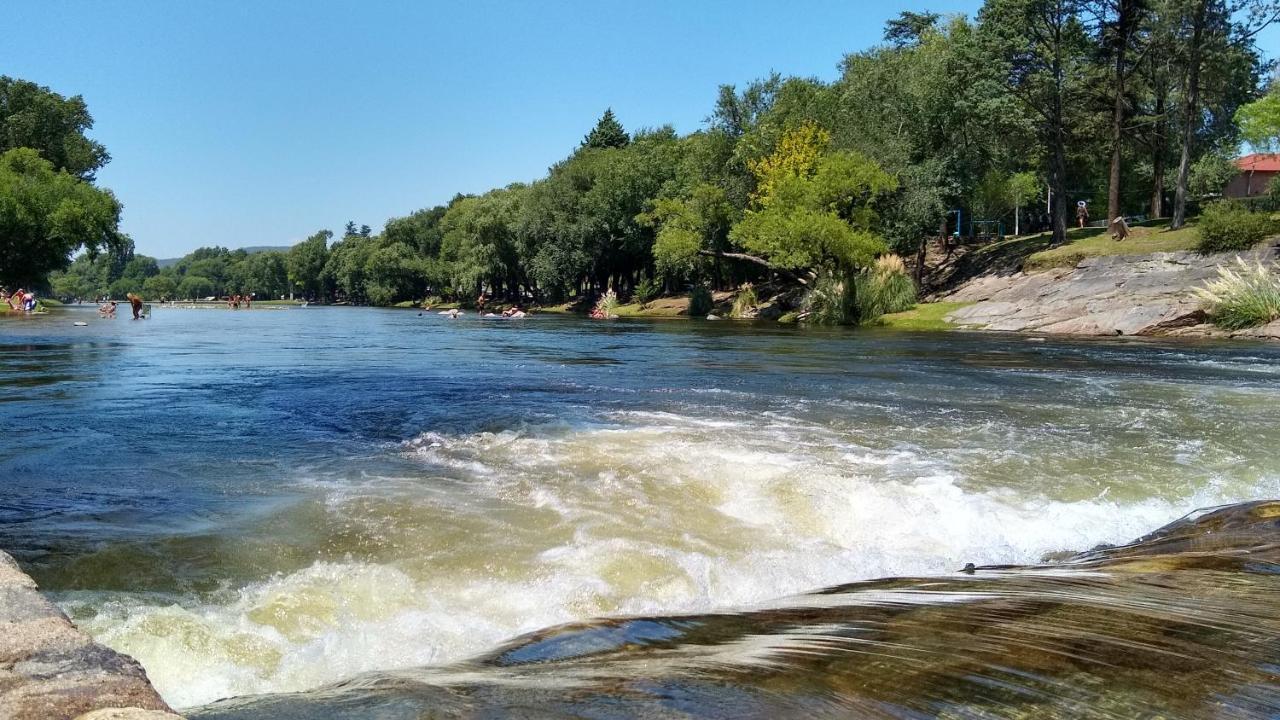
{"points": [[271, 501]]}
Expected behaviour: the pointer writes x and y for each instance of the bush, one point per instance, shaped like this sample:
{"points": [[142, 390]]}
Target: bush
{"points": [[606, 306], [699, 301], [832, 299], [1245, 297], [744, 303], [1227, 226], [648, 290], [836, 299]]}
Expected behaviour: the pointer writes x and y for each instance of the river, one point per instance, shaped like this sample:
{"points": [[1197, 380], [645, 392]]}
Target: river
{"points": [[273, 500]]}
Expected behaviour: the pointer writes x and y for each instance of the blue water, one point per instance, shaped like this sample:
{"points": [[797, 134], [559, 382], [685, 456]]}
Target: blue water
{"points": [[265, 500]]}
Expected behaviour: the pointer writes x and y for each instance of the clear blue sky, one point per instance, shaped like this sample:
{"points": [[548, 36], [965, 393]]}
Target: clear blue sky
{"points": [[257, 123]]}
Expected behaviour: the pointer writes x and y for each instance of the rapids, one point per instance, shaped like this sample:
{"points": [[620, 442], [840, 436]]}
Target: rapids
{"points": [[275, 501]]}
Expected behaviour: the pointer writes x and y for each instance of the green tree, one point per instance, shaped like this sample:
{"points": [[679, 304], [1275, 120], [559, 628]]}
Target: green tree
{"points": [[607, 133], [36, 117], [1260, 121], [306, 262], [46, 215]]}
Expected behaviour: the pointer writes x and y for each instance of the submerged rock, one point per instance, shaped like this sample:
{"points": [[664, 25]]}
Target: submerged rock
{"points": [[49, 670], [1182, 623]]}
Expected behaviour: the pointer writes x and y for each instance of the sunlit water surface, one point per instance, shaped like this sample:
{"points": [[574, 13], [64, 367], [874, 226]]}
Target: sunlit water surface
{"points": [[272, 500]]}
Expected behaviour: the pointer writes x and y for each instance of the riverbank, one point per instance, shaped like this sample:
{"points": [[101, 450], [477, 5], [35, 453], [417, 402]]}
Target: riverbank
{"points": [[50, 670], [1104, 295]]}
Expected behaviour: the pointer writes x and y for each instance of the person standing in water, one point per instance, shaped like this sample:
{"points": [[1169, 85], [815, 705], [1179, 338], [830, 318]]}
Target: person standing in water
{"points": [[135, 301]]}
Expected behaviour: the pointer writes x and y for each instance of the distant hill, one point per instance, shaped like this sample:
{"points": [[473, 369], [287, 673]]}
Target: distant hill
{"points": [[166, 262]]}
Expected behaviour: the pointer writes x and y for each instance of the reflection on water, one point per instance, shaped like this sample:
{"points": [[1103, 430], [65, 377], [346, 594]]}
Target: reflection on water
{"points": [[1181, 623], [261, 502]]}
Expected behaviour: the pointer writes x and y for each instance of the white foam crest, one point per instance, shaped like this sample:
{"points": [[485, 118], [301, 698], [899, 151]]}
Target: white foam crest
{"points": [[659, 512]]}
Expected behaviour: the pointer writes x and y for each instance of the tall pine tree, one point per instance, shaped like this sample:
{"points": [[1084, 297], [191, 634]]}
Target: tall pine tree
{"points": [[607, 133]]}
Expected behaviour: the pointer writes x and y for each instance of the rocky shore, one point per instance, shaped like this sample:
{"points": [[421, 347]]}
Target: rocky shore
{"points": [[49, 670], [1112, 295]]}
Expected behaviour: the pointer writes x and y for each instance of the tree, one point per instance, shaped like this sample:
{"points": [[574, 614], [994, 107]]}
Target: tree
{"points": [[1121, 21], [1259, 121], [814, 211], [46, 215], [909, 27], [36, 117], [305, 264], [607, 133], [1022, 188], [1043, 51]]}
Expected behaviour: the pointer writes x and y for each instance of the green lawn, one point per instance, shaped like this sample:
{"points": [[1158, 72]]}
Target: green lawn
{"points": [[927, 316], [1095, 242]]}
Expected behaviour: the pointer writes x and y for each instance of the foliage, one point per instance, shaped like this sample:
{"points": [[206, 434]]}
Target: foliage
{"points": [[607, 133], [1260, 121], [814, 211], [46, 215], [700, 301], [832, 299], [606, 306], [648, 290], [884, 288], [745, 302], [1210, 174], [35, 117], [1226, 226], [1244, 297]]}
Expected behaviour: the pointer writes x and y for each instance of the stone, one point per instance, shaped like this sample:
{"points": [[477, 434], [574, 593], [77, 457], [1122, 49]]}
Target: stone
{"points": [[1111, 295], [50, 670]]}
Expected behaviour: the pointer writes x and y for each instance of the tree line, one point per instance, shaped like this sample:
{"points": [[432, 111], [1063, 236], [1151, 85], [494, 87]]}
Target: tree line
{"points": [[1013, 116]]}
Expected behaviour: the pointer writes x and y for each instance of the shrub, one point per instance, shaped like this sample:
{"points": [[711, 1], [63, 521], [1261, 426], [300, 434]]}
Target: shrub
{"points": [[744, 303], [606, 306], [846, 299], [832, 299], [648, 290], [1227, 226], [1245, 297], [699, 301]]}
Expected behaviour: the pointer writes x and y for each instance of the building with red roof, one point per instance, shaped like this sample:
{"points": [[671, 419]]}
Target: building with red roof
{"points": [[1256, 172]]}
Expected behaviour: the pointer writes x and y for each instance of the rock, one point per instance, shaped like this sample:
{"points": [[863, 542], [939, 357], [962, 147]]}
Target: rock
{"points": [[49, 670], [1270, 331], [128, 714], [1112, 295]]}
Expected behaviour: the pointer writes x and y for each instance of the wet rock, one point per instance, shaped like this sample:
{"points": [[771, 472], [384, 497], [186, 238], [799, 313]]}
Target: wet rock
{"points": [[1115, 295], [49, 670]]}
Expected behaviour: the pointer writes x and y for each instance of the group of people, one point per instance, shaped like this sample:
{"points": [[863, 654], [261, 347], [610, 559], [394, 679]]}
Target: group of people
{"points": [[108, 308], [234, 301], [21, 300]]}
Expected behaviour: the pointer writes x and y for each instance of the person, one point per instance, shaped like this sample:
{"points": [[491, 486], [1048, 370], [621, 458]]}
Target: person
{"points": [[248, 302], [15, 300], [4, 297], [107, 309], [1082, 213], [29, 302], [135, 301]]}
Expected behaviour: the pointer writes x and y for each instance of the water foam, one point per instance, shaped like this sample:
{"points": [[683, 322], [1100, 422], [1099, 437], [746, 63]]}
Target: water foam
{"points": [[649, 512]]}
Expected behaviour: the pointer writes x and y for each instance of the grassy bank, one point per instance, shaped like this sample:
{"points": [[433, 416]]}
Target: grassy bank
{"points": [[1143, 240], [927, 316]]}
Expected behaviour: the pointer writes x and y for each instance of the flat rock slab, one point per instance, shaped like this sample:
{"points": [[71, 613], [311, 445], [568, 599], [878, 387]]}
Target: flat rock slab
{"points": [[50, 670], [1113, 295]]}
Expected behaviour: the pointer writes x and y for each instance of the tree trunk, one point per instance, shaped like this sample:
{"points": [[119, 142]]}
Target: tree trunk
{"points": [[1189, 117], [1157, 159], [1125, 10]]}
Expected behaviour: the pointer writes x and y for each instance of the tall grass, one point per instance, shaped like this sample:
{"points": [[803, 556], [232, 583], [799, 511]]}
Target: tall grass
{"points": [[744, 303], [1245, 297], [861, 297], [606, 306]]}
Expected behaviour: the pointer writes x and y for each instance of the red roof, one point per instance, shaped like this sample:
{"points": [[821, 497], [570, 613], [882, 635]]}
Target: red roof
{"points": [[1260, 162]]}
